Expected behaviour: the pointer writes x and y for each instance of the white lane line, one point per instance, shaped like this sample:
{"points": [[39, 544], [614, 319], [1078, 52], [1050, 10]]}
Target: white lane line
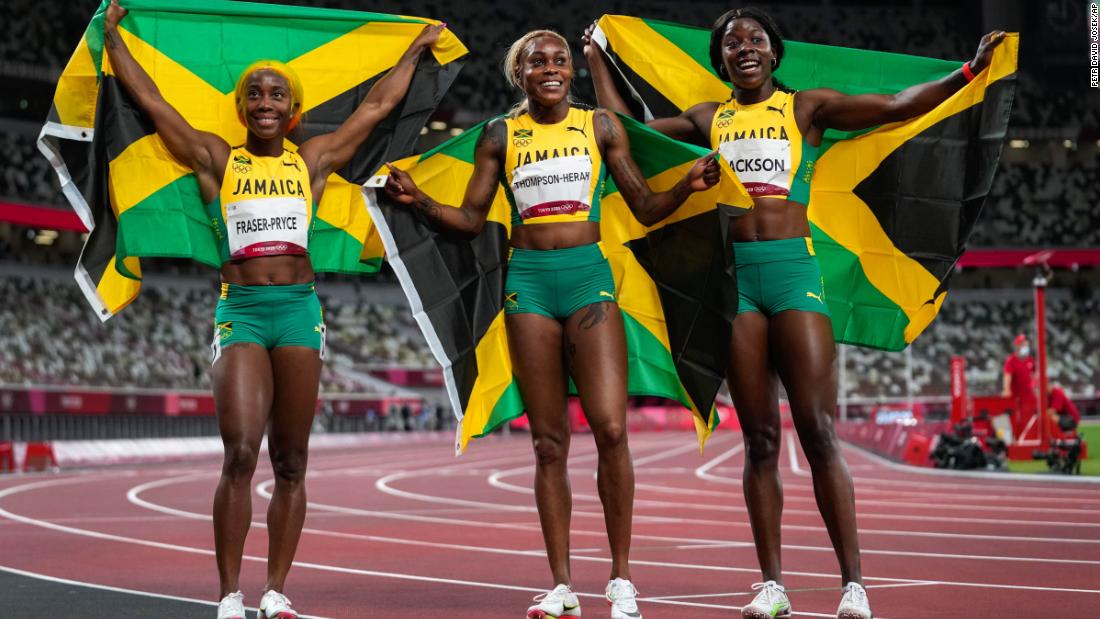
{"points": [[936, 497], [981, 475], [149, 594], [263, 492], [698, 596], [497, 480], [798, 470], [707, 467], [297, 564], [981, 479], [156, 544], [703, 472], [1005, 500]]}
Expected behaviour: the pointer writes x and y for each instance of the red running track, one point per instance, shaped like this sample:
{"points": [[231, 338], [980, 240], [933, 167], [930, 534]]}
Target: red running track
{"points": [[406, 530]]}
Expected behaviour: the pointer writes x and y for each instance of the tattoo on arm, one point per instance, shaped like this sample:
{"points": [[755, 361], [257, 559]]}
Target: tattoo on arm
{"points": [[594, 314], [611, 132], [490, 137], [629, 173], [431, 209], [110, 36]]}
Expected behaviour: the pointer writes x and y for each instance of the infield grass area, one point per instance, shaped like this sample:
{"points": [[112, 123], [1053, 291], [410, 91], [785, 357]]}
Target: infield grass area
{"points": [[1090, 431]]}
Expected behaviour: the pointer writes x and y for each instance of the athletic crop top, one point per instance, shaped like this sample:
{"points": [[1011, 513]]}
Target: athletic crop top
{"points": [[553, 173], [265, 207], [763, 145]]}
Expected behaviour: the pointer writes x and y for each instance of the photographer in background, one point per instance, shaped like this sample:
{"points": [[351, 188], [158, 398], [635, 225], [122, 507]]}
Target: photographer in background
{"points": [[1063, 412]]}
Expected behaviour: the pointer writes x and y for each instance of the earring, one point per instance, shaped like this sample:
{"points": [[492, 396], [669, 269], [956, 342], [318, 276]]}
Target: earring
{"points": [[773, 63]]}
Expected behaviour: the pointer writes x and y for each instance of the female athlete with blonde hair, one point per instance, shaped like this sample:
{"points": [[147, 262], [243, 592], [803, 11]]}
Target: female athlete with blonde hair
{"points": [[269, 331], [561, 315]]}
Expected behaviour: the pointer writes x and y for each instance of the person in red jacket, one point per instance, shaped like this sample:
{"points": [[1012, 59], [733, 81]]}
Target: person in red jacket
{"points": [[1062, 410], [1019, 381]]}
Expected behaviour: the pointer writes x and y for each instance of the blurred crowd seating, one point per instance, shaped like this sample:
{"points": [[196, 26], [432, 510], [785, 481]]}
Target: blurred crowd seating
{"points": [[162, 340], [980, 327]]}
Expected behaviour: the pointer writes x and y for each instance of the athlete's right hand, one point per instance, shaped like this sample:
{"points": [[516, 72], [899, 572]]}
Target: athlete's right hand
{"points": [[400, 186], [115, 13], [586, 40], [705, 173]]}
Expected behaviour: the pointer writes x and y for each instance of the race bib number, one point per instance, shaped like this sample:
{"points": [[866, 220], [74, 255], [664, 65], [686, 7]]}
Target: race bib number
{"points": [[267, 227], [558, 186], [763, 166]]}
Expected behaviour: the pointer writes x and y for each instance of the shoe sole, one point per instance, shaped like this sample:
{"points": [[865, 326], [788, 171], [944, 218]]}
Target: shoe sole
{"points": [[759, 614], [282, 615], [623, 613], [853, 616], [542, 614]]}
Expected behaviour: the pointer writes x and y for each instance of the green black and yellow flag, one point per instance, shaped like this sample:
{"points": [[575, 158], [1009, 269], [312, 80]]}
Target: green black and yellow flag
{"points": [[140, 202], [671, 283], [891, 208]]}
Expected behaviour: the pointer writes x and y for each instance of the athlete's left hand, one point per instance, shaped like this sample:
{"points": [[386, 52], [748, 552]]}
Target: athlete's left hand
{"points": [[705, 173], [984, 55]]}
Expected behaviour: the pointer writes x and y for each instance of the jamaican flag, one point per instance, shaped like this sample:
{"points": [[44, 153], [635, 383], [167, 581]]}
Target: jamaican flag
{"points": [[891, 208], [139, 202], [671, 282]]}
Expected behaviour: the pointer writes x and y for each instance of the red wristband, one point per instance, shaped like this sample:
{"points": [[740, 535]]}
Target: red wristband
{"points": [[967, 72]]}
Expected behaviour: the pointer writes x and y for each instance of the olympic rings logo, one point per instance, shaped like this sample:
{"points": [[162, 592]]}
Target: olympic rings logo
{"points": [[521, 142]]}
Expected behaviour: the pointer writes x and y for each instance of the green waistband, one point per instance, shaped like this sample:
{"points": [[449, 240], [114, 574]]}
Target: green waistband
{"points": [[557, 259], [267, 293], [756, 252]]}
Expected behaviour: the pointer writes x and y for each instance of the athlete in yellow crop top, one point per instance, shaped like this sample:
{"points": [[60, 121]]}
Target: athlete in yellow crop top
{"points": [[560, 309], [770, 137], [269, 331]]}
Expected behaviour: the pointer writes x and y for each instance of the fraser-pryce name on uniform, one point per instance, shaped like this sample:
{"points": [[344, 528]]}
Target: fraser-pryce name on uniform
{"points": [[267, 224]]}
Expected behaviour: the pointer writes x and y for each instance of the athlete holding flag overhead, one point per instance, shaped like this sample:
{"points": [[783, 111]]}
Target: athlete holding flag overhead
{"points": [[269, 334], [770, 135]]}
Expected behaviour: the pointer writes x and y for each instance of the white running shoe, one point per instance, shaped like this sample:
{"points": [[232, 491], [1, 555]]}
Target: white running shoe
{"points": [[556, 603], [621, 596], [275, 605], [231, 606], [770, 603], [854, 604]]}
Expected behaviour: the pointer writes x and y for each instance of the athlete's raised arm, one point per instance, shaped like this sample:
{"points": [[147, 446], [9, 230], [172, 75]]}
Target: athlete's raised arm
{"points": [[205, 153], [692, 125], [832, 109], [468, 219], [648, 207], [329, 152]]}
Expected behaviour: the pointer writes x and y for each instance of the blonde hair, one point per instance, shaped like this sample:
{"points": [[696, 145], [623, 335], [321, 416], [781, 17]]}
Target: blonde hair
{"points": [[513, 67], [297, 94]]}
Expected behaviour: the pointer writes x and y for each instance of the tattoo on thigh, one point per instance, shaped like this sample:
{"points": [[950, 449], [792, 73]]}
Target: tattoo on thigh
{"points": [[594, 314]]}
